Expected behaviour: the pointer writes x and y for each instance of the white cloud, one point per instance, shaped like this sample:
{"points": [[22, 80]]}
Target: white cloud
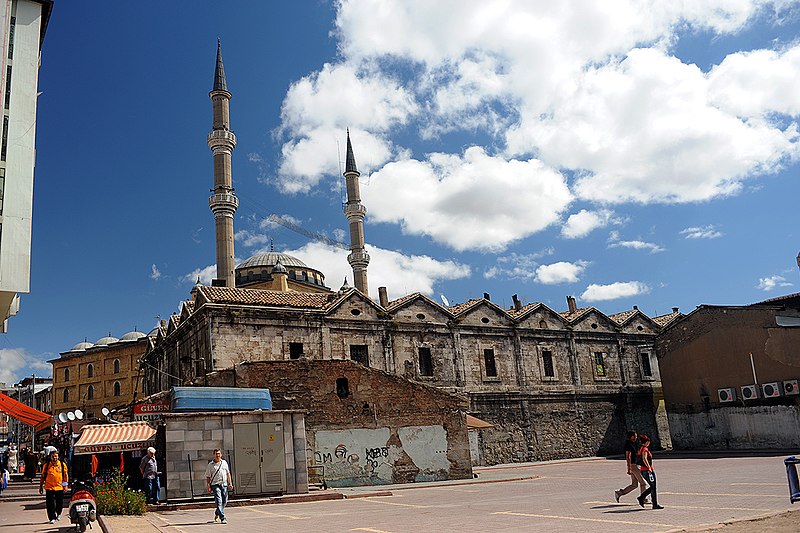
{"points": [[15, 361], [206, 274], [401, 274], [772, 282], [517, 266], [584, 222], [613, 291], [154, 272], [701, 232], [250, 239], [561, 272], [615, 242], [642, 130], [590, 88], [474, 202], [754, 83]]}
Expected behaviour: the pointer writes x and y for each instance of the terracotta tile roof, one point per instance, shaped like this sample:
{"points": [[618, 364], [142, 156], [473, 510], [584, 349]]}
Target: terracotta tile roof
{"points": [[524, 309], [570, 316], [460, 308], [621, 318], [402, 300], [779, 299], [189, 305], [229, 295], [663, 320]]}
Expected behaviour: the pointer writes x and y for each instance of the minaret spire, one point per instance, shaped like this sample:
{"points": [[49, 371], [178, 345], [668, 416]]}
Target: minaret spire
{"points": [[223, 201], [355, 211]]}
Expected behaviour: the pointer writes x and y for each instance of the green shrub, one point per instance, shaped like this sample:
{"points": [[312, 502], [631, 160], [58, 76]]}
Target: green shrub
{"points": [[113, 497]]}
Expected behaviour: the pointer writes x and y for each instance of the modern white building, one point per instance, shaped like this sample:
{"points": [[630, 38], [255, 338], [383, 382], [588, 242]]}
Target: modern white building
{"points": [[24, 23]]}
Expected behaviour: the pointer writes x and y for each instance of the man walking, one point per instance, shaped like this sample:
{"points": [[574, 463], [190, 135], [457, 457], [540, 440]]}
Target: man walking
{"points": [[54, 478], [218, 481], [631, 450], [148, 467]]}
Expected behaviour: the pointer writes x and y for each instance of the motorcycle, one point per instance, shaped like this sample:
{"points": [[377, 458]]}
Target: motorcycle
{"points": [[82, 506]]}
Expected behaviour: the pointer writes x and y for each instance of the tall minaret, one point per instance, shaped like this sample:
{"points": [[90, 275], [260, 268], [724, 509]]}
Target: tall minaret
{"points": [[355, 212], [223, 202]]}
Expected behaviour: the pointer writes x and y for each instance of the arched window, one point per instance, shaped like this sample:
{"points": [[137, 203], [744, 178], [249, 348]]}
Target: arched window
{"points": [[90, 370], [66, 375], [116, 367], [117, 388], [66, 395], [90, 391]]}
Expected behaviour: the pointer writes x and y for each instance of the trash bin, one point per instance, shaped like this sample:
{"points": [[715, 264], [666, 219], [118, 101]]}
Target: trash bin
{"points": [[791, 473]]}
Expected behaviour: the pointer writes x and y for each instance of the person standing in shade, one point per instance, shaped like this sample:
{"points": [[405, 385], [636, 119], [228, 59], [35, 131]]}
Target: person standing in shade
{"points": [[219, 482], [55, 478], [648, 473], [631, 450], [148, 467]]}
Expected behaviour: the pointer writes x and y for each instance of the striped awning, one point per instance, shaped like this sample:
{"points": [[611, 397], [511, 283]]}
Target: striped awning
{"points": [[115, 438]]}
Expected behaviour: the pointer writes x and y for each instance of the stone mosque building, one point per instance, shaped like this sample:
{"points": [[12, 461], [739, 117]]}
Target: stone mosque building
{"points": [[550, 383]]}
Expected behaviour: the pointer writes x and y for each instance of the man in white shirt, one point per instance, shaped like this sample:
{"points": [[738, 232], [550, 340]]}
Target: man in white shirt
{"points": [[219, 482]]}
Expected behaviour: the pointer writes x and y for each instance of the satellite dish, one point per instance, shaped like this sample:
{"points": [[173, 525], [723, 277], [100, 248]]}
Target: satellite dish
{"points": [[62, 417], [78, 414], [71, 415], [105, 411], [444, 300]]}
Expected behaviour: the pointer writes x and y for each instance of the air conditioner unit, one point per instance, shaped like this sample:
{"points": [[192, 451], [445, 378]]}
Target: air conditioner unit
{"points": [[726, 395], [790, 387], [771, 390], [749, 392]]}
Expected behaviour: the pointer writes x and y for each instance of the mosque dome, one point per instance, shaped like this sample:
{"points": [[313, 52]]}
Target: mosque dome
{"points": [[105, 341], [153, 333], [81, 346], [270, 259], [258, 269], [132, 336]]}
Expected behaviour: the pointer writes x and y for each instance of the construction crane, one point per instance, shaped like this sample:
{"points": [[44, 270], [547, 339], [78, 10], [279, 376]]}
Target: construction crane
{"points": [[286, 223]]}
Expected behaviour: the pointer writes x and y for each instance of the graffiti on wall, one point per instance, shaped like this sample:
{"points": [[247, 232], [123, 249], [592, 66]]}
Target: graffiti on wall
{"points": [[373, 457]]}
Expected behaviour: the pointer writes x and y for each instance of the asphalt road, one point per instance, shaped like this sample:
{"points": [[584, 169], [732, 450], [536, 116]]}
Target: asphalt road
{"points": [[566, 497]]}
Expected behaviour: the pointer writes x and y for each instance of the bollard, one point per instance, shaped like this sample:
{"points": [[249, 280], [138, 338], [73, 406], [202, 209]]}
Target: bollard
{"points": [[791, 474]]}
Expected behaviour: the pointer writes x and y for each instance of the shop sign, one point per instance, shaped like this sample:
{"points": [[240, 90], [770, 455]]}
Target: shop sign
{"points": [[150, 411]]}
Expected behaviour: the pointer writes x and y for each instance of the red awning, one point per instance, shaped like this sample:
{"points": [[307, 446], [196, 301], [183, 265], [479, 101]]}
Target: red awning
{"points": [[25, 414], [115, 438]]}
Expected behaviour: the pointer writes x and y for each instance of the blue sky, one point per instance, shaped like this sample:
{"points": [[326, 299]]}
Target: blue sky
{"points": [[624, 153]]}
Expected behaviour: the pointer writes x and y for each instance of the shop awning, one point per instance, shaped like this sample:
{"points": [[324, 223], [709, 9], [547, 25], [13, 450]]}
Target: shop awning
{"points": [[24, 413], [474, 422], [115, 438]]}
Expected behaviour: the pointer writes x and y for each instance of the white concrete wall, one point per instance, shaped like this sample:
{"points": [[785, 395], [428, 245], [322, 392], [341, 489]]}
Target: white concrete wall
{"points": [[373, 456], [773, 427]]}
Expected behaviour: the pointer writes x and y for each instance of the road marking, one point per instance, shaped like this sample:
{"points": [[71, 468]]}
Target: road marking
{"points": [[454, 490], [687, 507], [722, 494], [398, 504], [278, 515], [762, 484], [555, 517], [370, 530]]}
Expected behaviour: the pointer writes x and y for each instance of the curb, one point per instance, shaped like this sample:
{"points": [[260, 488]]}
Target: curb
{"points": [[721, 525], [103, 525]]}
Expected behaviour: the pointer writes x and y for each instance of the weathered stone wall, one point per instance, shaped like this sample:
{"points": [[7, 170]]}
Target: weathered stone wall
{"points": [[536, 427], [191, 438], [391, 430], [764, 427]]}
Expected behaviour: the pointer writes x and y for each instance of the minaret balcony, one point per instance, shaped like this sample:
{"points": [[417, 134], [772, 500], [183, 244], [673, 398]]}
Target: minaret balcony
{"points": [[355, 211], [224, 138], [223, 201], [358, 259]]}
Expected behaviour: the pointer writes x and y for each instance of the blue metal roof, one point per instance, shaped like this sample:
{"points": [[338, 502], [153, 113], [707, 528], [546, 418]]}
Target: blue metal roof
{"points": [[185, 399]]}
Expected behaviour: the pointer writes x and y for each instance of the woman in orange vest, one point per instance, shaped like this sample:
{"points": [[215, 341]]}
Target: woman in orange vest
{"points": [[55, 479]]}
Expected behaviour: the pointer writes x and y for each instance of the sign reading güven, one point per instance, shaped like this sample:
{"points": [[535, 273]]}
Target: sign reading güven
{"points": [[150, 412], [115, 447]]}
